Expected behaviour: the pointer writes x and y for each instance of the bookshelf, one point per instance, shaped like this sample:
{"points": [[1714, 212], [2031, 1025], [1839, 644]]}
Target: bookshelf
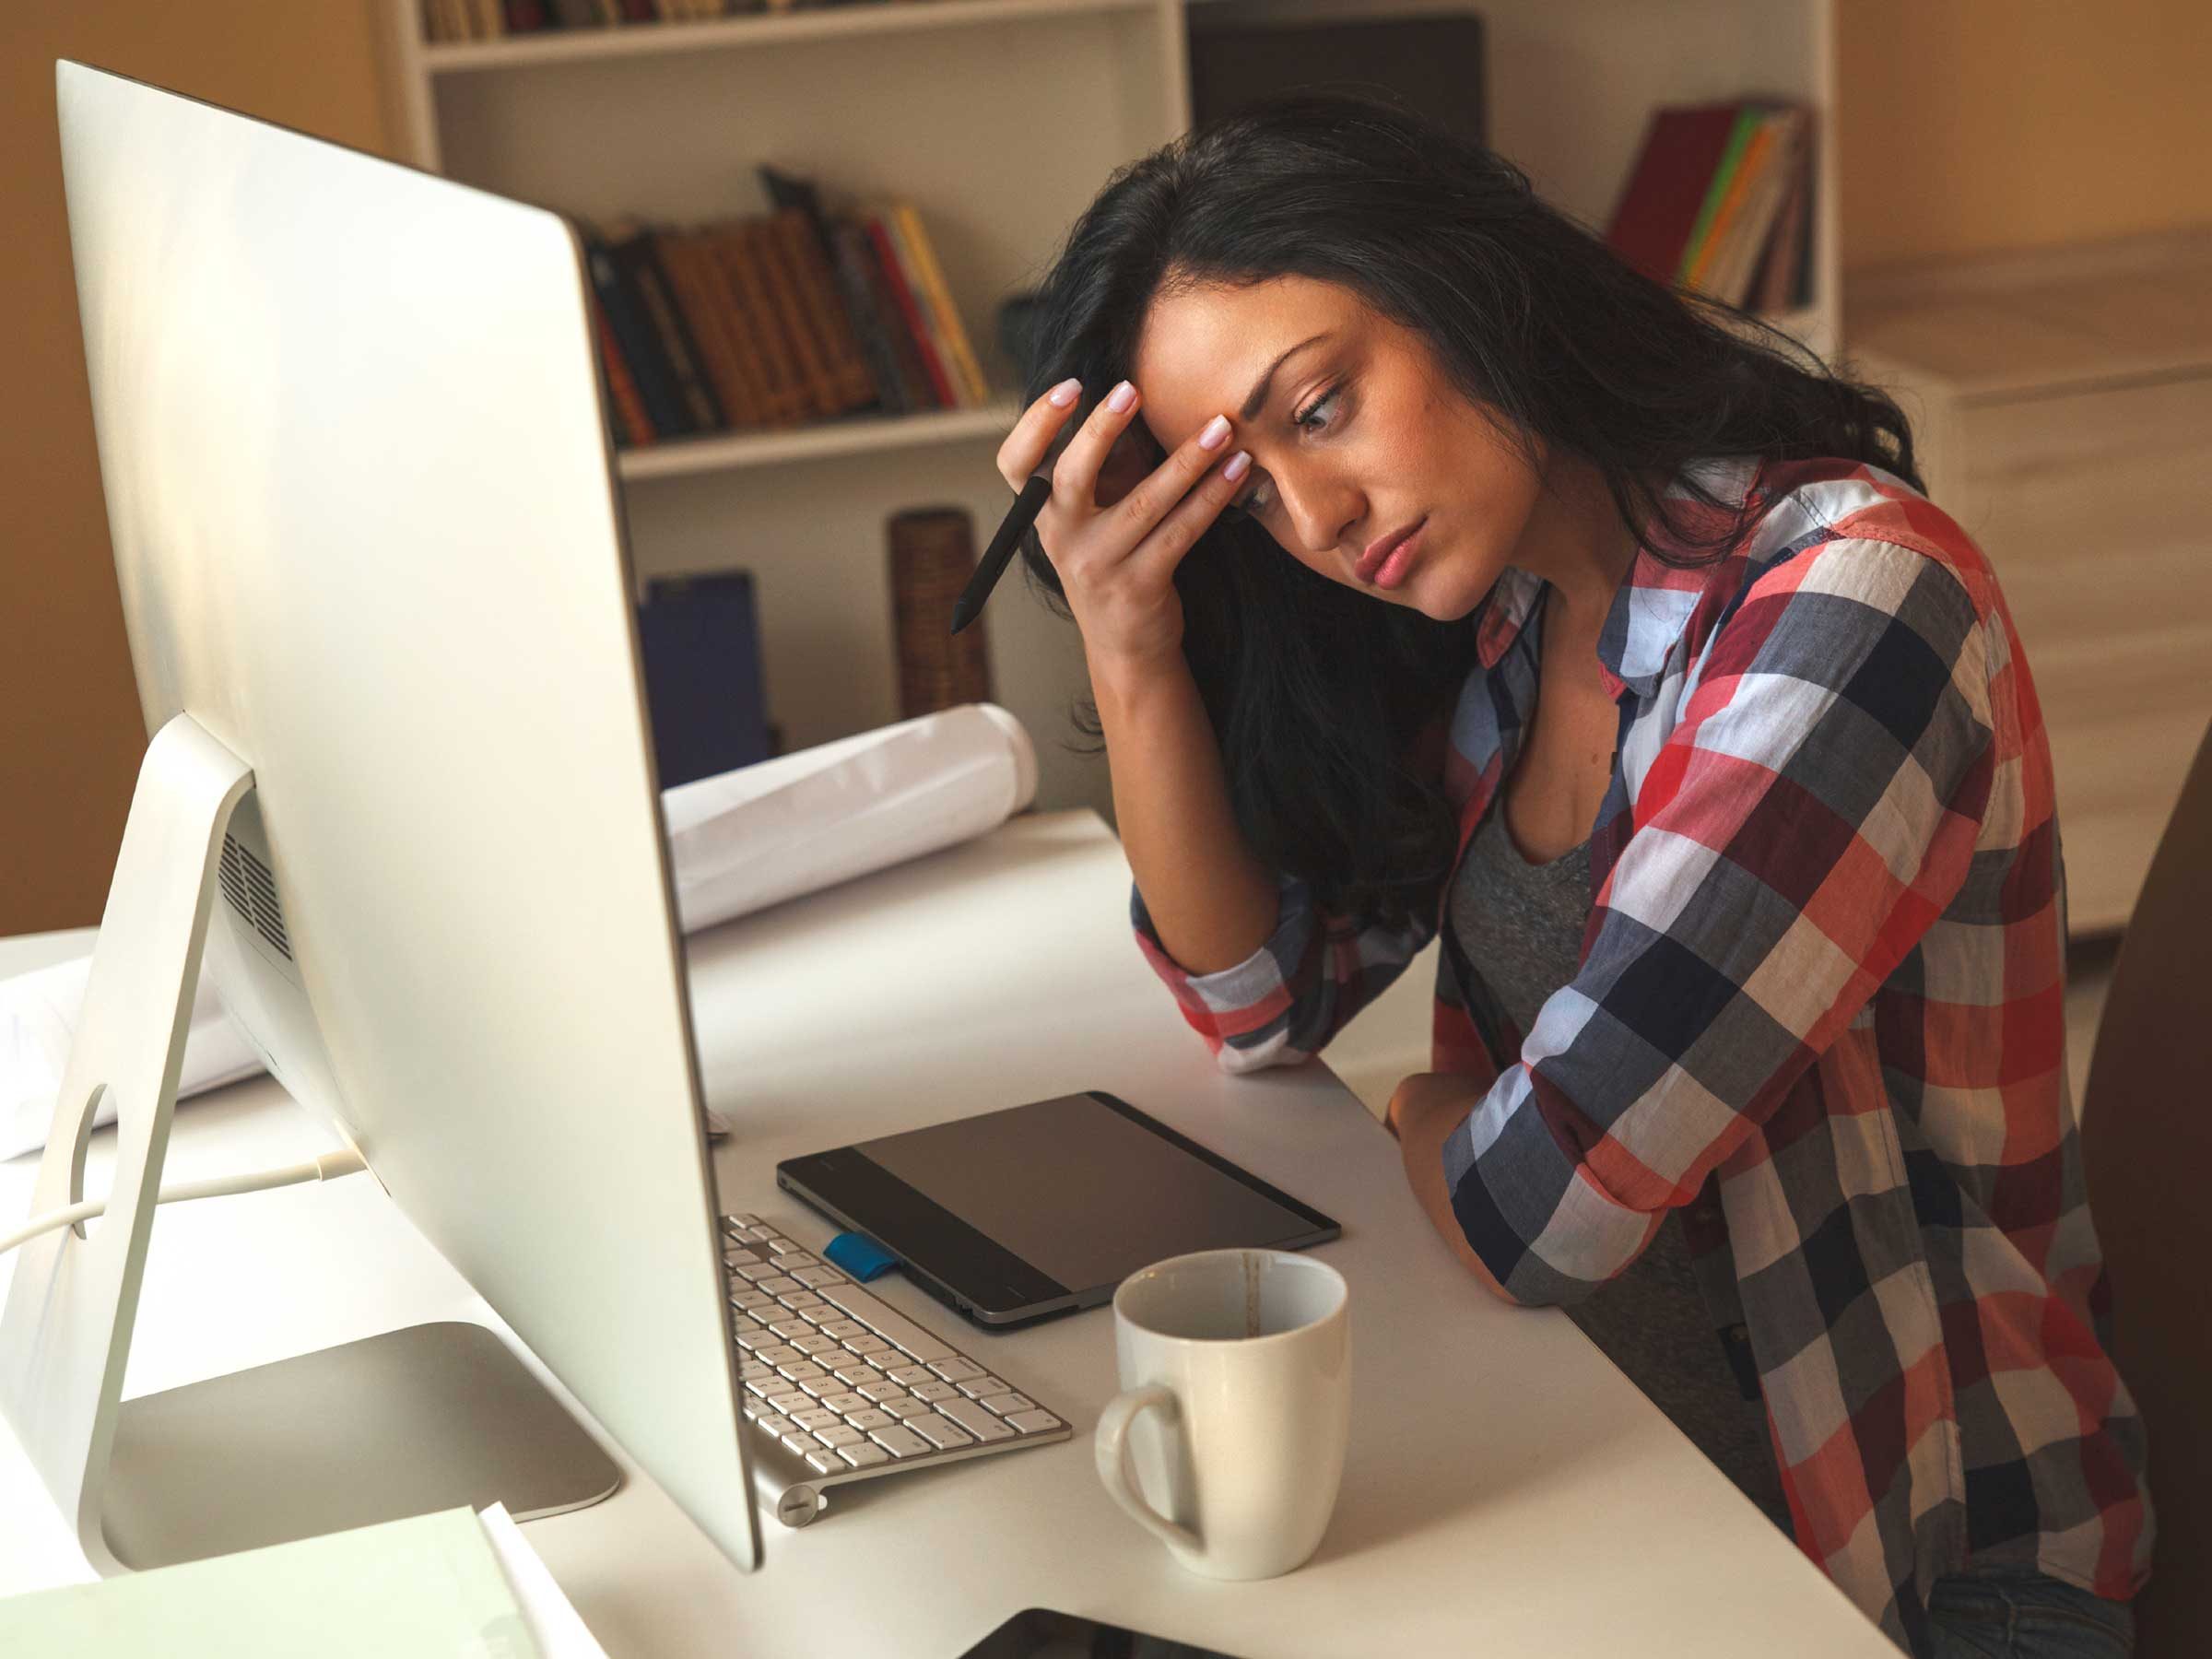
{"points": [[999, 120]]}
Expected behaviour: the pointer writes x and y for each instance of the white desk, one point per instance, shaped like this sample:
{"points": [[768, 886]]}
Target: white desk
{"points": [[1507, 1490]]}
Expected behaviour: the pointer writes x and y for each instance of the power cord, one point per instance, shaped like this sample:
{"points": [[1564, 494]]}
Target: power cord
{"points": [[329, 1167]]}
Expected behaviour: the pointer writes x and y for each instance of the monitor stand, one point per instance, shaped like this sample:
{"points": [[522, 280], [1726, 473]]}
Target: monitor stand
{"points": [[424, 1418]]}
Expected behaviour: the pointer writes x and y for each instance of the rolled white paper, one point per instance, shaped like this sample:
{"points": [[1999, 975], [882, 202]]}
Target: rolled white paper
{"points": [[747, 839]]}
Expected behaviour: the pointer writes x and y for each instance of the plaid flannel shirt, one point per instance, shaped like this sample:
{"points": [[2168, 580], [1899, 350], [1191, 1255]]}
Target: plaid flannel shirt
{"points": [[1819, 1008]]}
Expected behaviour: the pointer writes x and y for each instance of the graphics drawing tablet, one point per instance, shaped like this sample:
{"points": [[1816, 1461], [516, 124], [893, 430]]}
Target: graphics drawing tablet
{"points": [[1039, 1209]]}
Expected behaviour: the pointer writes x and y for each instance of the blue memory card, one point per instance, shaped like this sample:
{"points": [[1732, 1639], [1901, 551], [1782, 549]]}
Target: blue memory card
{"points": [[859, 1256]]}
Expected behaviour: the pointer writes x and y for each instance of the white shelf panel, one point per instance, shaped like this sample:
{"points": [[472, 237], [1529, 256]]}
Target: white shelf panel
{"points": [[725, 451], [841, 22]]}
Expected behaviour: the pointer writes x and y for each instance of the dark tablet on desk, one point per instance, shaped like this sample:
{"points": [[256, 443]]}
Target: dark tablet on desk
{"points": [[1042, 1208], [1040, 1633]]}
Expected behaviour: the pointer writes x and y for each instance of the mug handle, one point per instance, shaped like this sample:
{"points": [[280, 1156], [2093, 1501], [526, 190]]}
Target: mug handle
{"points": [[1110, 1444]]}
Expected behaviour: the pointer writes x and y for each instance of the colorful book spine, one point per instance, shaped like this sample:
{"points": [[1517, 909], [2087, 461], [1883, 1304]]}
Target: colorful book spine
{"points": [[701, 412], [847, 382], [1743, 183], [798, 320], [950, 330], [699, 294], [868, 321], [635, 334], [633, 426], [786, 391], [880, 234], [1739, 139]]}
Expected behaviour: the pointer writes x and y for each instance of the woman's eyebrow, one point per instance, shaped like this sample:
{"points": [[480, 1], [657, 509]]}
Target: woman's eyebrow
{"points": [[1260, 393]]}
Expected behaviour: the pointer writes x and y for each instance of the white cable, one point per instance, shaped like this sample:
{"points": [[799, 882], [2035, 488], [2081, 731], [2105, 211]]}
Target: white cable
{"points": [[329, 1167]]}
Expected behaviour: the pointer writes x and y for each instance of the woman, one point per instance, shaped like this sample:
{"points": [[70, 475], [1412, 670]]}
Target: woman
{"points": [[1628, 655]]}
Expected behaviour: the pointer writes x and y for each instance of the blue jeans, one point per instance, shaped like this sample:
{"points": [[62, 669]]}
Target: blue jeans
{"points": [[2016, 1613]]}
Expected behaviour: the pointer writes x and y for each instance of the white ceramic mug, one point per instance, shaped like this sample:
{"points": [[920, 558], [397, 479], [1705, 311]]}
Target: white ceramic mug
{"points": [[1236, 1371]]}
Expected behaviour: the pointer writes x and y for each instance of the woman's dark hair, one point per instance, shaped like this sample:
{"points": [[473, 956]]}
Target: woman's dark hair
{"points": [[1317, 693]]}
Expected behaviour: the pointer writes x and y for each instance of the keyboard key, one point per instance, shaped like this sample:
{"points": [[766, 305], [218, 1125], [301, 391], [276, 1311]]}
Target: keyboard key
{"points": [[737, 1224], [954, 1368], [1034, 1422], [909, 1374], [900, 1442], [801, 1442], [816, 1277], [823, 1461], [794, 1258], [798, 1301], [749, 1301], [777, 1353], [934, 1389], [906, 1405], [975, 1388], [777, 1285], [814, 1346], [879, 1388], [779, 1246], [839, 1434], [1006, 1404], [867, 1342], [754, 1272], [801, 1370], [842, 1403], [774, 1423], [753, 1408], [816, 1418], [864, 1455], [975, 1419], [822, 1385], [859, 1374], [792, 1329], [941, 1432], [895, 1327], [842, 1327], [870, 1420]]}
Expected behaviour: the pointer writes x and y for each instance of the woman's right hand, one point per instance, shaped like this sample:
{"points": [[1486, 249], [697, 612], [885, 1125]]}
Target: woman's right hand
{"points": [[1116, 527]]}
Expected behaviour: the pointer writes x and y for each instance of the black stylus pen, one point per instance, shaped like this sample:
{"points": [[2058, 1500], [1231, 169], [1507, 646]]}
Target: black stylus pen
{"points": [[1011, 529]]}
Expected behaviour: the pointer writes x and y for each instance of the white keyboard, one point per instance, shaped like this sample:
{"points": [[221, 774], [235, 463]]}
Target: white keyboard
{"points": [[839, 1386]]}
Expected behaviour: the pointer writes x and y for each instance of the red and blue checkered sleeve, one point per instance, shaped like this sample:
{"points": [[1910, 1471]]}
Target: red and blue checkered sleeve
{"points": [[1283, 1002], [1805, 821]]}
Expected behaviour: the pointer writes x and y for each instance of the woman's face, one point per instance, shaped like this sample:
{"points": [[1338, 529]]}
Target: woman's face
{"points": [[1357, 434]]}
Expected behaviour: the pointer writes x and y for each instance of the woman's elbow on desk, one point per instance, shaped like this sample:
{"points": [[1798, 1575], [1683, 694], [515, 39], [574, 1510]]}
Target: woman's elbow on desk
{"points": [[1425, 1111]]}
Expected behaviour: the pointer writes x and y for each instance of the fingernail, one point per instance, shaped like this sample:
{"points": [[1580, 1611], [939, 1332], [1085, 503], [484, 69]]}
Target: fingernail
{"points": [[1215, 431], [1124, 395], [1236, 468], [1063, 393]]}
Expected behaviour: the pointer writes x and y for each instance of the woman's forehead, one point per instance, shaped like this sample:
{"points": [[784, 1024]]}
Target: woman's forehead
{"points": [[1203, 349]]}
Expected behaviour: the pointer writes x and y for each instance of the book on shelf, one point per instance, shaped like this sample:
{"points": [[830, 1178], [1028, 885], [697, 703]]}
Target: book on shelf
{"points": [[773, 321], [1719, 201], [453, 22]]}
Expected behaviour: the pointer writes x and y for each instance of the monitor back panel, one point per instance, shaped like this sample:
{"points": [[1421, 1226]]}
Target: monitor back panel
{"points": [[367, 533]]}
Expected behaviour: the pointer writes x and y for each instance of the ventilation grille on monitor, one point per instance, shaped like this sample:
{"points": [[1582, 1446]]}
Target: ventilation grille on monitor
{"points": [[253, 894]]}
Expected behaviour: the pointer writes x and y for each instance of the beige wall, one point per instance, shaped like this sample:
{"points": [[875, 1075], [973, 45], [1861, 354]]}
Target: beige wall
{"points": [[70, 734], [1968, 127], [1965, 126]]}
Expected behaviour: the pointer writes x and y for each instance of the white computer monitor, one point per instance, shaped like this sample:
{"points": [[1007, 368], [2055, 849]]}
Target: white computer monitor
{"points": [[369, 538]]}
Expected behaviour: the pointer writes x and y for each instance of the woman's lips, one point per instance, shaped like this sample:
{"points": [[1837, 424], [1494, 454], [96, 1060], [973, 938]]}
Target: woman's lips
{"points": [[1391, 572]]}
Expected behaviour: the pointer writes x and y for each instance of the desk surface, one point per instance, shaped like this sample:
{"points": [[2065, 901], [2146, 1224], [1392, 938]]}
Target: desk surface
{"points": [[1507, 1490]]}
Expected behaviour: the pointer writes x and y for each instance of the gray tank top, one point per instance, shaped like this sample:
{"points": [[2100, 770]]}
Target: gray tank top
{"points": [[1521, 927]]}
